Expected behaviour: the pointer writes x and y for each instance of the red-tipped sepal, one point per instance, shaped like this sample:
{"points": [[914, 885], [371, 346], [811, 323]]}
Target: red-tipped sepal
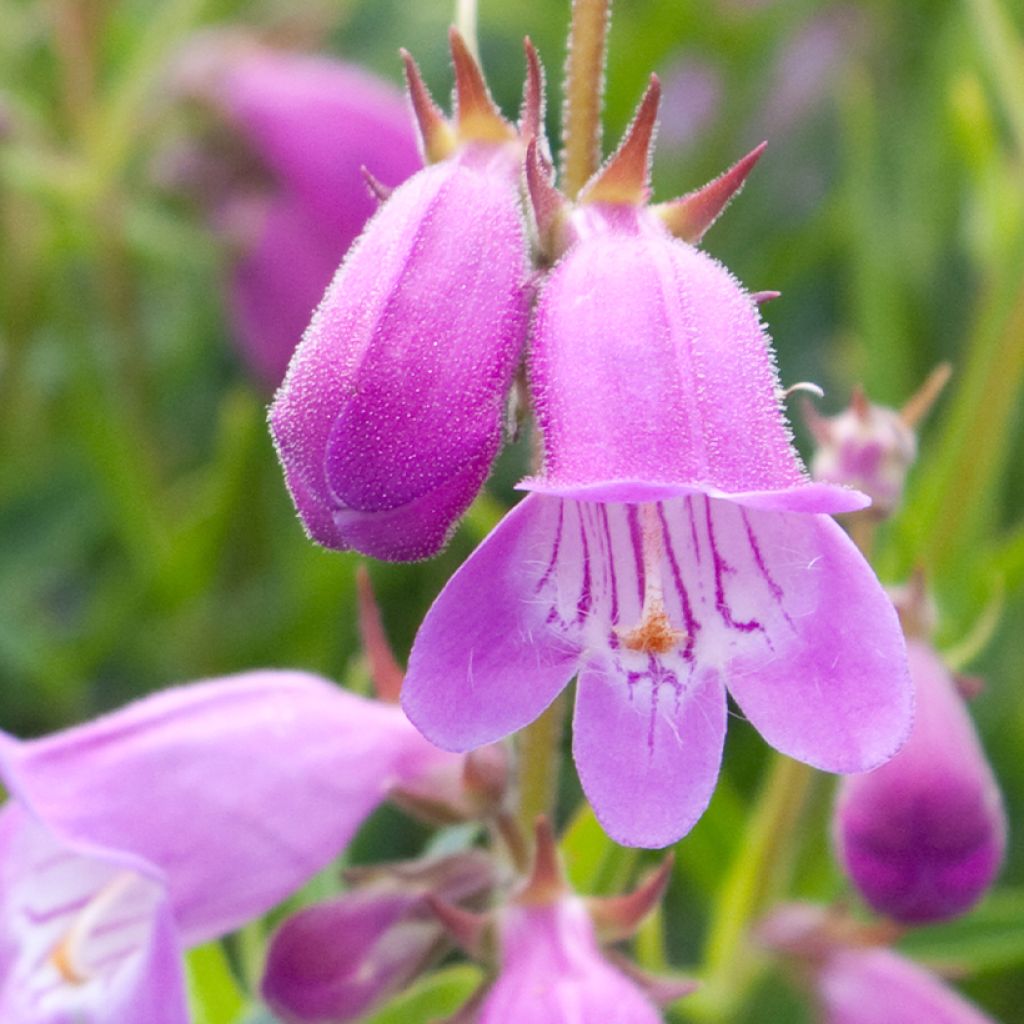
{"points": [[437, 140], [619, 917], [547, 879], [531, 115], [625, 178], [550, 208], [690, 216], [477, 118], [472, 932]]}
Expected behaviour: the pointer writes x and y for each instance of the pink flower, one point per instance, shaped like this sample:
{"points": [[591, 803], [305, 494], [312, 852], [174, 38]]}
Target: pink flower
{"points": [[314, 123], [393, 407], [673, 544], [855, 980], [173, 821], [923, 836], [552, 972], [878, 986]]}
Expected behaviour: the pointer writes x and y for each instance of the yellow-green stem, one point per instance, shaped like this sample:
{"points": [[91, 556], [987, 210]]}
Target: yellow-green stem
{"points": [[759, 876], [539, 756], [1000, 44], [584, 84]]}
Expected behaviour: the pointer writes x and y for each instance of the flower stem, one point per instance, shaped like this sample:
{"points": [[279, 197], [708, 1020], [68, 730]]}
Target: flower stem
{"points": [[465, 22], [758, 876], [584, 85], [539, 755]]}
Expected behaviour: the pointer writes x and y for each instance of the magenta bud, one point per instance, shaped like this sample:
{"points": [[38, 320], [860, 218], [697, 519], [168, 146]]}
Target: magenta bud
{"points": [[393, 407], [336, 961], [923, 836]]}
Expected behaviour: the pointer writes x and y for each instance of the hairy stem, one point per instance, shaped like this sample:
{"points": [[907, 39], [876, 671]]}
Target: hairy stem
{"points": [[584, 86]]}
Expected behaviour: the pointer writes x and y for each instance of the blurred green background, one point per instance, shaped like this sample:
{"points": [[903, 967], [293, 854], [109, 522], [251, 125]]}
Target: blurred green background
{"points": [[146, 537]]}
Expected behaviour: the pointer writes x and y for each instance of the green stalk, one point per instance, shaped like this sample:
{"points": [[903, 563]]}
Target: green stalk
{"points": [[974, 453], [758, 877], [1001, 47], [540, 750], [584, 86]]}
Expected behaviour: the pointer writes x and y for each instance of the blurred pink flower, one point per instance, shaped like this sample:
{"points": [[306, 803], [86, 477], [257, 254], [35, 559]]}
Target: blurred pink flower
{"points": [[312, 124]]}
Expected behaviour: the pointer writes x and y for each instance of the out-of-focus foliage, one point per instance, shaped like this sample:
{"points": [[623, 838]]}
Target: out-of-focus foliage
{"points": [[145, 533]]}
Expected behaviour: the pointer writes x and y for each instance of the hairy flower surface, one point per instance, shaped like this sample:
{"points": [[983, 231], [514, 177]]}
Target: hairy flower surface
{"points": [[174, 821], [393, 407], [922, 837], [672, 546], [553, 972]]}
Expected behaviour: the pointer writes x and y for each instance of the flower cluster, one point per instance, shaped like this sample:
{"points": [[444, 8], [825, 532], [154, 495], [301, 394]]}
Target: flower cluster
{"points": [[672, 544], [174, 821]]}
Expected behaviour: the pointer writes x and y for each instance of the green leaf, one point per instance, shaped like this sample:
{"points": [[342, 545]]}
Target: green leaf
{"points": [[214, 995], [991, 938], [437, 995], [594, 863]]}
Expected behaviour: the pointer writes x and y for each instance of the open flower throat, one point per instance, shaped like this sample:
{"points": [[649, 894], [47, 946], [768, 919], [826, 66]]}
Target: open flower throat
{"points": [[666, 590]]}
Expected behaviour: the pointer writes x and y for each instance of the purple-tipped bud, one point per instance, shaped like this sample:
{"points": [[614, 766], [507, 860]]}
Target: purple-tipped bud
{"points": [[868, 447], [393, 407], [872, 447], [337, 960], [304, 126], [923, 836]]}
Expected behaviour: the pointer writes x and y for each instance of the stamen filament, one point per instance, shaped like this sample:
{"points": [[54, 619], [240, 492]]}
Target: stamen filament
{"points": [[67, 954], [655, 634]]}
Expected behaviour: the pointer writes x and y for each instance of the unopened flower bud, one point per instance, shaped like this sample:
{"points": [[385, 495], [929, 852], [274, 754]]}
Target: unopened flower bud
{"points": [[553, 972], [878, 986], [923, 836], [551, 968], [393, 407], [871, 447], [868, 447], [338, 960]]}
